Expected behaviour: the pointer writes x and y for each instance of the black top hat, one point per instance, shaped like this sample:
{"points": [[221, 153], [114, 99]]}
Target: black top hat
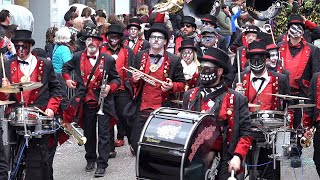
{"points": [[217, 57], [23, 35], [251, 29], [211, 19], [134, 22], [159, 27], [187, 43], [92, 32], [270, 44], [189, 20], [296, 19], [115, 29], [257, 47]]}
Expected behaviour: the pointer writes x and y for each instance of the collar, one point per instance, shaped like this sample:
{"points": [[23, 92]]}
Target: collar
{"points": [[134, 40], [28, 60], [299, 45], [161, 52], [111, 49], [264, 75], [212, 92], [97, 54]]}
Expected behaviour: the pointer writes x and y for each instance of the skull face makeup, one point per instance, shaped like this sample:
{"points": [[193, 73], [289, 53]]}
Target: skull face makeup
{"points": [[157, 40], [114, 39], [257, 63], [92, 45], [295, 31], [133, 32], [208, 74], [187, 55], [208, 41], [23, 49], [274, 56]]}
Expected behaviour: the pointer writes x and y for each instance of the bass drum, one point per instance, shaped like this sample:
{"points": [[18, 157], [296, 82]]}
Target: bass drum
{"points": [[176, 144]]}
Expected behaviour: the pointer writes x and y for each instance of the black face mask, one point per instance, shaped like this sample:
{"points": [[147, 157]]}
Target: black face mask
{"points": [[208, 75], [257, 63]]}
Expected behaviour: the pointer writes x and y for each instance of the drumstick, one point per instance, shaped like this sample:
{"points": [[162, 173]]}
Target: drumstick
{"points": [[41, 111], [3, 70]]}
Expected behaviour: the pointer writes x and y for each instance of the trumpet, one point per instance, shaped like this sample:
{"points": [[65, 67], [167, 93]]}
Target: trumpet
{"points": [[306, 141], [147, 78], [76, 133], [101, 97]]}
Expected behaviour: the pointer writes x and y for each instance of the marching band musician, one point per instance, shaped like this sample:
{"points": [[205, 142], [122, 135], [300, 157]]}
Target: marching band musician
{"points": [[161, 65], [256, 82], [187, 30], [311, 118], [300, 58], [91, 68], [29, 68], [3, 159], [134, 41], [251, 34], [124, 58], [229, 106]]}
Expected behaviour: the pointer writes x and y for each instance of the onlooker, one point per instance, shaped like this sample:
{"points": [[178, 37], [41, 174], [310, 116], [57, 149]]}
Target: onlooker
{"points": [[50, 41], [67, 16], [143, 13], [10, 33], [224, 21], [77, 25], [4, 21], [86, 14]]}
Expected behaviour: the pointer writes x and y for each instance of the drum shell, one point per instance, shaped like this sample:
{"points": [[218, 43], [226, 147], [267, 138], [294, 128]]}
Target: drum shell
{"points": [[31, 115], [184, 157], [267, 119]]}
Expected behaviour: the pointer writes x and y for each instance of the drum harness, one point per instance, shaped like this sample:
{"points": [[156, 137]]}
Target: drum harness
{"points": [[215, 111]]}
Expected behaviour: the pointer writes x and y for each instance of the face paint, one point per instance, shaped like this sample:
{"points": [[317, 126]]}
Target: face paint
{"points": [[208, 41], [274, 56], [208, 74], [133, 32], [295, 31], [157, 40], [92, 45], [187, 55], [23, 49], [257, 63], [114, 39]]}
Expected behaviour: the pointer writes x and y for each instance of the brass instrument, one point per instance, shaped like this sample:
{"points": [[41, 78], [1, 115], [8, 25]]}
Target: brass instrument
{"points": [[307, 141], [269, 30], [76, 133], [101, 97], [147, 78], [263, 11], [171, 6]]}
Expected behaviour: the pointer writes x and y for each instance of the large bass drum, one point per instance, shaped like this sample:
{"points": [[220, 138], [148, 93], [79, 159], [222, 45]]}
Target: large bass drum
{"points": [[176, 144]]}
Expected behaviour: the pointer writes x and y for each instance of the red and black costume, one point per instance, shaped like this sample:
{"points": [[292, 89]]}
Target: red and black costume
{"points": [[86, 99], [311, 117], [139, 44]]}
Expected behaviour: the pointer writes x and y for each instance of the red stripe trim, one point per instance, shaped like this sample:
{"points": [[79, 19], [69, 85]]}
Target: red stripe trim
{"points": [[296, 21], [209, 57], [257, 50], [206, 19]]}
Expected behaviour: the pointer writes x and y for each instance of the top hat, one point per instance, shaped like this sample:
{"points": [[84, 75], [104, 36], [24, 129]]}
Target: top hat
{"points": [[211, 19], [92, 32], [134, 22], [251, 29], [217, 57], [257, 47], [296, 19], [159, 27], [23, 35], [208, 29], [189, 20], [187, 43], [115, 29], [270, 44]]}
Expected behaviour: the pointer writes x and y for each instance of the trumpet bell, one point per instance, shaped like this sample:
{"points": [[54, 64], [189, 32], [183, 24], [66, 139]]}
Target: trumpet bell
{"points": [[83, 140]]}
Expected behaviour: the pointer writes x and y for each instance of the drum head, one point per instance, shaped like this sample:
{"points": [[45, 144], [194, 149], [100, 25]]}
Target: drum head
{"points": [[173, 146]]}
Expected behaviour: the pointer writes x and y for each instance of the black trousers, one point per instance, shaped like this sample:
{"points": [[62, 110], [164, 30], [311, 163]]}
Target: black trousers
{"points": [[316, 146], [3, 160], [90, 118], [64, 92], [140, 120], [296, 125], [121, 99]]}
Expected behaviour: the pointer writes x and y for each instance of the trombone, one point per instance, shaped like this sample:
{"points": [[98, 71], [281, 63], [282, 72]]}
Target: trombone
{"points": [[147, 78]]}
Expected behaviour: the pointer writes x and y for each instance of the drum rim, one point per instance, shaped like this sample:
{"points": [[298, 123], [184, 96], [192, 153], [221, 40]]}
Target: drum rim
{"points": [[268, 112]]}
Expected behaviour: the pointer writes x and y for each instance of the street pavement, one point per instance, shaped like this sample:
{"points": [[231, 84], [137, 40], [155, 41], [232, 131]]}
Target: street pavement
{"points": [[69, 163]]}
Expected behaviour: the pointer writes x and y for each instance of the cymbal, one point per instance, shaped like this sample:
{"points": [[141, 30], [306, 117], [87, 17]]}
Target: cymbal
{"points": [[288, 97], [6, 102], [299, 106], [253, 105], [21, 86], [177, 101]]}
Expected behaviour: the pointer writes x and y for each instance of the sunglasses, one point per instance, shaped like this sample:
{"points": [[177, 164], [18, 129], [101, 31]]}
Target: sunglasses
{"points": [[186, 25], [24, 46], [156, 37]]}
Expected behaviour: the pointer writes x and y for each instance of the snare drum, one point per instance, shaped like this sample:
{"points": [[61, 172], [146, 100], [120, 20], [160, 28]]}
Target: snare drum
{"points": [[30, 114], [267, 119], [176, 144]]}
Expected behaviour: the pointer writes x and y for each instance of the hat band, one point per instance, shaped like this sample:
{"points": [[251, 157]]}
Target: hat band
{"points": [[257, 50], [134, 24], [206, 19], [210, 57], [295, 21], [188, 46]]}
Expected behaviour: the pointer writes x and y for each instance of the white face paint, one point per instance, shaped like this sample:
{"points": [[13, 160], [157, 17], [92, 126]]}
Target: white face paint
{"points": [[133, 32], [157, 40], [274, 56], [187, 55], [92, 45]]}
